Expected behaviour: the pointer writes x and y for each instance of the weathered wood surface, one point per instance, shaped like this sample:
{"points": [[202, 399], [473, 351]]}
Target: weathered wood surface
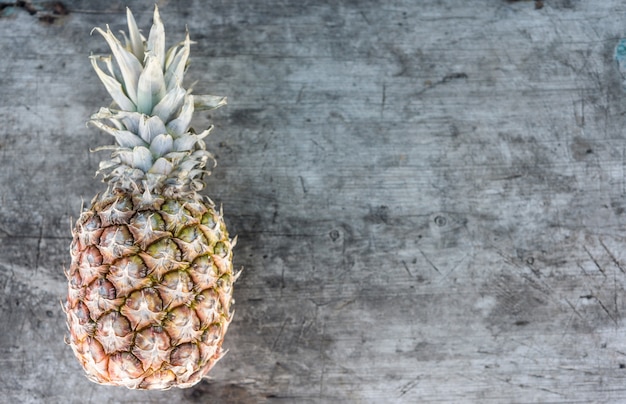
{"points": [[429, 197]]}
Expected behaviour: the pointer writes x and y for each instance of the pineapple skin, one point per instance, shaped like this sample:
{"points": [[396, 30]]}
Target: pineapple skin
{"points": [[151, 275], [150, 289]]}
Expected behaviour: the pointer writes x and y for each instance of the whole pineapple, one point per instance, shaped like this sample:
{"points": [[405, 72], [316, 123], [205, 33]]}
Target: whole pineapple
{"points": [[150, 281]]}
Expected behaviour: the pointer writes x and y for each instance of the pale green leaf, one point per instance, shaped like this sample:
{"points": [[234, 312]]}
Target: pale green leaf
{"points": [[130, 120], [180, 125], [161, 166], [113, 71], [142, 158], [125, 156], [177, 64], [208, 102], [161, 145], [130, 67], [150, 127], [151, 87], [156, 39], [186, 142], [205, 132], [169, 105], [113, 87], [123, 138], [136, 39], [107, 115]]}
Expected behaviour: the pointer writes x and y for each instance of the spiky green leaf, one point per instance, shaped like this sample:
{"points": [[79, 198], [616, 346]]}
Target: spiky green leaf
{"points": [[186, 142], [173, 101], [150, 127], [161, 145], [177, 64], [123, 138], [113, 87], [130, 67], [156, 38], [161, 166], [142, 158], [135, 44], [151, 87], [208, 102], [180, 124]]}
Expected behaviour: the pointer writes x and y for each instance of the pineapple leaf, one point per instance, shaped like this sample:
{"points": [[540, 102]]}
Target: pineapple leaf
{"points": [[136, 39], [180, 125], [113, 87], [161, 166], [170, 104], [205, 132], [113, 70], [142, 158], [156, 38], [177, 63], [123, 138], [150, 127], [208, 102], [130, 120], [185, 143], [125, 156], [161, 145], [106, 115], [129, 65], [151, 87]]}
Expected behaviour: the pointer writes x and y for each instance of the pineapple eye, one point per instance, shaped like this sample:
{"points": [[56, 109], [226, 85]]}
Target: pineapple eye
{"points": [[105, 289], [220, 249], [208, 221]]}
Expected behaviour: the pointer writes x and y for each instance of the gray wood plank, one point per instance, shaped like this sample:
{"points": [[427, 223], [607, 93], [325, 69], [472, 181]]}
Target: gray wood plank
{"points": [[429, 197]]}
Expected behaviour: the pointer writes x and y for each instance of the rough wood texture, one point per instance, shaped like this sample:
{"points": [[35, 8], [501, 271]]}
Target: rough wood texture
{"points": [[429, 197]]}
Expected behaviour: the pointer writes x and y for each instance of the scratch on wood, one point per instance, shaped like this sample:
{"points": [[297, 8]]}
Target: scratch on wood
{"points": [[344, 304], [282, 282], [367, 21], [304, 189], [573, 308], [445, 79], [429, 261], [527, 386], [304, 327], [382, 102], [323, 360], [612, 256], [39, 241], [458, 264], [582, 269], [569, 320], [299, 96], [579, 112], [409, 386], [8, 233], [594, 260], [408, 271], [601, 305], [606, 310], [280, 332]]}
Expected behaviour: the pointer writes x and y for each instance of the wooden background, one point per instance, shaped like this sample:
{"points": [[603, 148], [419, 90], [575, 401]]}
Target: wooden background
{"points": [[429, 196]]}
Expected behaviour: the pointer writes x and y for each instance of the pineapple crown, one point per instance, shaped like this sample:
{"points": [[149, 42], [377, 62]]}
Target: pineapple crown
{"points": [[151, 112]]}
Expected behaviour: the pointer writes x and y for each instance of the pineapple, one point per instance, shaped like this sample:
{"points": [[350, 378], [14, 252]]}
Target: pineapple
{"points": [[151, 275]]}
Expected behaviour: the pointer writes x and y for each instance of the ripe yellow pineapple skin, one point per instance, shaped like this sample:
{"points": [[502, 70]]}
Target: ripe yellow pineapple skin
{"points": [[149, 289]]}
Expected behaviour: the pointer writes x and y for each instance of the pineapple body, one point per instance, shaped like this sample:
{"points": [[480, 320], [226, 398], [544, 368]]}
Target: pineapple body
{"points": [[151, 275], [150, 288]]}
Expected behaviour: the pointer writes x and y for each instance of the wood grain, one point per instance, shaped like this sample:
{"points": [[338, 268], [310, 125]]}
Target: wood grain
{"points": [[429, 197]]}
